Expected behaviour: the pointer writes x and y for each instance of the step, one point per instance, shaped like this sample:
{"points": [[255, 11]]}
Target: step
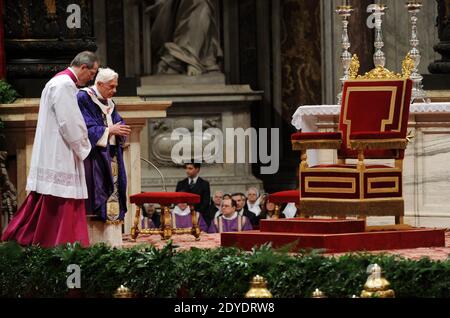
{"points": [[319, 226], [338, 243]]}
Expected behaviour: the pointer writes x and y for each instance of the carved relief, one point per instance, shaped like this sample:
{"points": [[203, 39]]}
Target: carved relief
{"points": [[7, 190], [160, 132]]}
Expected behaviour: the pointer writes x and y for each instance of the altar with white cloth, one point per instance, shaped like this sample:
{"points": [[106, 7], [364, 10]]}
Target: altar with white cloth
{"points": [[426, 186]]}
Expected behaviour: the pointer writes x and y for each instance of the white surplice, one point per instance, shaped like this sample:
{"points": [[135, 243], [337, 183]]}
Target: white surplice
{"points": [[61, 143]]}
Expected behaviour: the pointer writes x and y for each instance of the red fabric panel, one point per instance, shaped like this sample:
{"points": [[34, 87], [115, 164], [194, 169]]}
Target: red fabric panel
{"points": [[382, 195], [285, 196], [316, 135], [376, 135], [376, 185], [165, 198], [368, 109], [353, 175], [347, 185]]}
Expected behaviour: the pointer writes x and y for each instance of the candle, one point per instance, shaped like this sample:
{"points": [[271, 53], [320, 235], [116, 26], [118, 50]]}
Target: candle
{"points": [[345, 3]]}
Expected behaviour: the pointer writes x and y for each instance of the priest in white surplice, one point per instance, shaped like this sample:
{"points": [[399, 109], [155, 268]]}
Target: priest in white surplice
{"points": [[54, 211]]}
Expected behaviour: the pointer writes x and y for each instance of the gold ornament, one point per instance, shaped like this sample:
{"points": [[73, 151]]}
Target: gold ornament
{"points": [[123, 292], [376, 286], [407, 66], [258, 288], [317, 293], [354, 67]]}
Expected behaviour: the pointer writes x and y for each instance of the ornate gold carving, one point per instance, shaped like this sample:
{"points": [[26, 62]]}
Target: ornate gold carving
{"points": [[123, 292], [380, 72], [167, 229], [354, 67], [376, 285], [258, 288], [317, 293], [407, 66]]}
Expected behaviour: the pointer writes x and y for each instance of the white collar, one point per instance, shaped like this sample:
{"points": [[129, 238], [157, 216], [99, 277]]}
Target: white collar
{"points": [[73, 72], [180, 212], [97, 92], [229, 218], [194, 179]]}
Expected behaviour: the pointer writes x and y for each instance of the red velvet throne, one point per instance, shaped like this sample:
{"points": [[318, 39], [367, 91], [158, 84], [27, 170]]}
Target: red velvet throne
{"points": [[372, 125]]}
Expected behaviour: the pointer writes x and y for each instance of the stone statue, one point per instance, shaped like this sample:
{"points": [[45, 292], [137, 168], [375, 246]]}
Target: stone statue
{"points": [[443, 23], [185, 37]]}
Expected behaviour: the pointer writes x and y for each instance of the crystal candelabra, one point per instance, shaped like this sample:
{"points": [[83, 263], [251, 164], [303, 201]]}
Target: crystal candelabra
{"points": [[379, 59], [345, 11], [418, 94]]}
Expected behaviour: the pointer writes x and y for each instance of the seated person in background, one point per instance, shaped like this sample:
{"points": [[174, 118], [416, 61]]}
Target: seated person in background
{"points": [[230, 220], [253, 200], [242, 210], [219, 212], [182, 218], [149, 215], [214, 206], [268, 211]]}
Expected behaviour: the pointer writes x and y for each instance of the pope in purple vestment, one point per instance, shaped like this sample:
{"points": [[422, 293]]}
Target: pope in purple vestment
{"points": [[105, 169], [230, 220], [182, 218]]}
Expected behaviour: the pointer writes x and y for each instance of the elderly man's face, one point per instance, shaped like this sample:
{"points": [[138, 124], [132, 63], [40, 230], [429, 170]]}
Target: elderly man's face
{"points": [[108, 89], [217, 198], [240, 201], [227, 208], [252, 196]]}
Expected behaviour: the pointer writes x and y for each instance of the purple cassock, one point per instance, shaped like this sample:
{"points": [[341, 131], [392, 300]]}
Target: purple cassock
{"points": [[235, 223], [183, 219], [99, 175]]}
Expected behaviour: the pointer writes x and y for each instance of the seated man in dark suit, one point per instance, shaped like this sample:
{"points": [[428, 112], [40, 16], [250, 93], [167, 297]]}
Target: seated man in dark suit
{"points": [[242, 209], [195, 184]]}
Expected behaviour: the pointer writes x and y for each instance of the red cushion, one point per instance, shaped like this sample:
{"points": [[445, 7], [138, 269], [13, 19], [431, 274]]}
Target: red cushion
{"points": [[376, 135], [316, 135], [285, 196], [165, 198]]}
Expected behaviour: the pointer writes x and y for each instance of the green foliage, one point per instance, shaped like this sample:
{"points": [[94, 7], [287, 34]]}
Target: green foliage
{"points": [[221, 272], [7, 93]]}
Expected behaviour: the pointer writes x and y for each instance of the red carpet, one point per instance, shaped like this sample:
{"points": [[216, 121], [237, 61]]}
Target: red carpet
{"points": [[335, 236]]}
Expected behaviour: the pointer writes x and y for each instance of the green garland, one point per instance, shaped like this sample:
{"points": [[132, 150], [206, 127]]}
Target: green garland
{"points": [[7, 93], [221, 272]]}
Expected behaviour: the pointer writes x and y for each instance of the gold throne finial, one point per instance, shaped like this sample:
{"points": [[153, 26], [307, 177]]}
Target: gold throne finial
{"points": [[354, 67], [381, 72]]}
